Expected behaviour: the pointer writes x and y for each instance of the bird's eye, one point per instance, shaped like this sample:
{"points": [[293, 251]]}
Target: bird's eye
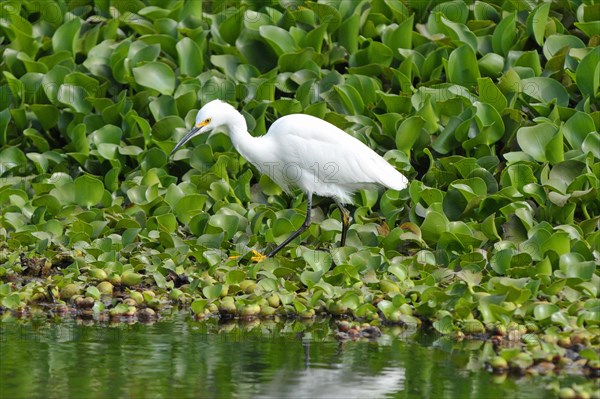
{"points": [[207, 120]]}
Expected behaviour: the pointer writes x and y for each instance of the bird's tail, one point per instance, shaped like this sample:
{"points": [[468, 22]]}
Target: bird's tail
{"points": [[391, 178]]}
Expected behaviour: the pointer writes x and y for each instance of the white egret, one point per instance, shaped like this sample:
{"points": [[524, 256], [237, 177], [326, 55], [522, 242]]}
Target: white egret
{"points": [[305, 152]]}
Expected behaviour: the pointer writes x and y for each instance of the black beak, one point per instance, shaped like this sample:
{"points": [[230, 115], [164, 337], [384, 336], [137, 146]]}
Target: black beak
{"points": [[185, 139]]}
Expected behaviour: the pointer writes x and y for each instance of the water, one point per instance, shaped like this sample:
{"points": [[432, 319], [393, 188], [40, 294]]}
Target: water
{"points": [[182, 358]]}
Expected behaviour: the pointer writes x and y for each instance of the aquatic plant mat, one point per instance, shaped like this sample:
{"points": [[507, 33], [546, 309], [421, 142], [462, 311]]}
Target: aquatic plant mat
{"points": [[491, 109]]}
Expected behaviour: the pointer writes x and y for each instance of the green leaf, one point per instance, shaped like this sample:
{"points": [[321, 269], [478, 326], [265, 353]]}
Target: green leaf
{"points": [[157, 76], [485, 11], [227, 223], [227, 62], [65, 37], [457, 126], [490, 93], [462, 66], [472, 279], [589, 353], [314, 38], [4, 121], [319, 261], [74, 97], [591, 28], [408, 133], [545, 90], [93, 292], [455, 11], [351, 99], [386, 307], [279, 39], [90, 85], [434, 224], [351, 300], [46, 114], [518, 175], [164, 128], [235, 277], [286, 106], [231, 27], [505, 34], [199, 305], [472, 326], [561, 319], [15, 86], [12, 301], [189, 206], [558, 242], [107, 134], [396, 37], [537, 20], [212, 291], [491, 65], [573, 265], [587, 74], [256, 50], [327, 14], [309, 278], [292, 62], [11, 158], [528, 62], [591, 144], [88, 191], [166, 222], [500, 261], [189, 56], [460, 34], [349, 32], [577, 128], [544, 311], [533, 140], [376, 53], [558, 42], [489, 124]]}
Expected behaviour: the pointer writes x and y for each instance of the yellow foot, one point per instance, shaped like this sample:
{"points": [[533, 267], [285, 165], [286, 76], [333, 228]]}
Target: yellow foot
{"points": [[256, 256]]}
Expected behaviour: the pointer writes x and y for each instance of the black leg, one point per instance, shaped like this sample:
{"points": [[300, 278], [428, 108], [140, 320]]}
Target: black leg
{"points": [[297, 232], [345, 222]]}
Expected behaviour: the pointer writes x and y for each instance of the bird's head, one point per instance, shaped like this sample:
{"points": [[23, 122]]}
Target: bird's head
{"points": [[211, 116]]}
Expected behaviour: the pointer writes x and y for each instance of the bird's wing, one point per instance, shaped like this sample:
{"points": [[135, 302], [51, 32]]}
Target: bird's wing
{"points": [[332, 155]]}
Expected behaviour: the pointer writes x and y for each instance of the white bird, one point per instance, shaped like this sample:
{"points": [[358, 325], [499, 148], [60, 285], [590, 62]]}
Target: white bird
{"points": [[303, 151]]}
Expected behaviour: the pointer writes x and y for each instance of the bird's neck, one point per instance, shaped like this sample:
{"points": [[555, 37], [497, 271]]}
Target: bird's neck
{"points": [[240, 138]]}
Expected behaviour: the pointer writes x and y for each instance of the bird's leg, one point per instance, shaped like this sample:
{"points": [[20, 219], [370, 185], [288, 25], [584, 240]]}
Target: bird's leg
{"points": [[345, 222], [296, 233]]}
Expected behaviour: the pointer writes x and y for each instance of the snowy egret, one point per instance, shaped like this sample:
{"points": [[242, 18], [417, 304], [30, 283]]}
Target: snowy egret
{"points": [[305, 152]]}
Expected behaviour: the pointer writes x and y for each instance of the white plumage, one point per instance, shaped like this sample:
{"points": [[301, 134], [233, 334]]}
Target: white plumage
{"points": [[303, 151]]}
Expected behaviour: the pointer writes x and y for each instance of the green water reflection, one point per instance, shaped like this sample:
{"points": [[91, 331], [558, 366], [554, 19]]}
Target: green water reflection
{"points": [[182, 358]]}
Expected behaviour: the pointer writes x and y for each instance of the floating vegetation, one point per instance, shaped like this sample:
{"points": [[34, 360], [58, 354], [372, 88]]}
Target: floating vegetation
{"points": [[491, 111]]}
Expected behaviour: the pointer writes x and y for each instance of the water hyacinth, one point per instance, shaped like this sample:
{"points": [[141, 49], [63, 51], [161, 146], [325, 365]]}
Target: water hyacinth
{"points": [[489, 109]]}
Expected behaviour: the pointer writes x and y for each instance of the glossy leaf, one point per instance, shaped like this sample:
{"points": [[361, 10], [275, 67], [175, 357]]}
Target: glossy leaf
{"points": [[545, 90], [279, 39], [538, 142], [66, 36], [588, 73], [505, 35], [537, 21], [462, 66], [190, 59], [155, 75]]}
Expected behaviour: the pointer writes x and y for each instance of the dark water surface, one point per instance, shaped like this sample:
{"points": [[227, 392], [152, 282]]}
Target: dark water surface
{"points": [[181, 358]]}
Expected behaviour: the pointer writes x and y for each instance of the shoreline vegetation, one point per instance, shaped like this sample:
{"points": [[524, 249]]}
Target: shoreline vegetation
{"points": [[491, 109]]}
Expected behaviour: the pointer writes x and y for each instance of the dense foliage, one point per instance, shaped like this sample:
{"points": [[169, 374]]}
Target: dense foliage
{"points": [[490, 108]]}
